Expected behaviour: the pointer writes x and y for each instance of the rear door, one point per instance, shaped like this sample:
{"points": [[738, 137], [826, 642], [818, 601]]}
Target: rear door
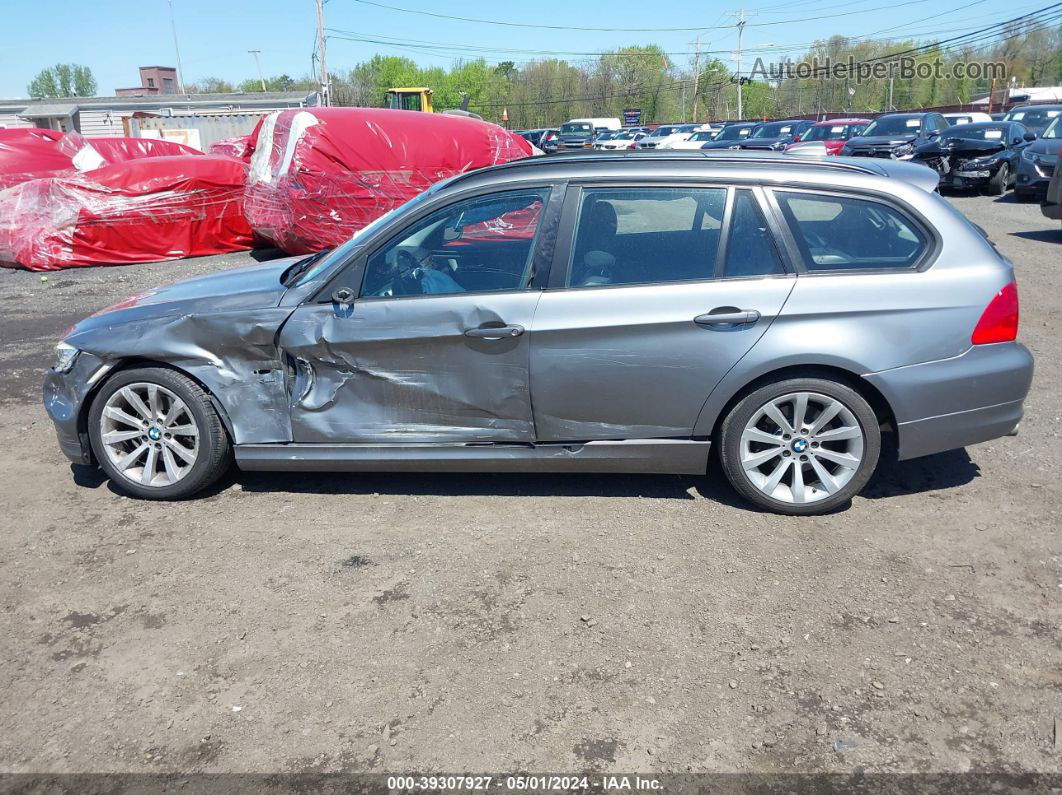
{"points": [[656, 292]]}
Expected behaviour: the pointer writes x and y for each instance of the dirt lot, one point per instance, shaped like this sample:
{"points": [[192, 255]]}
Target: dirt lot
{"points": [[560, 623]]}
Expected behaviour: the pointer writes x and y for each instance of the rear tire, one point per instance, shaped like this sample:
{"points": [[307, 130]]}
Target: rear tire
{"points": [[156, 434], [802, 446]]}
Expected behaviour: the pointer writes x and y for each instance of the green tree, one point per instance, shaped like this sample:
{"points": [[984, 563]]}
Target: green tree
{"points": [[63, 80]]}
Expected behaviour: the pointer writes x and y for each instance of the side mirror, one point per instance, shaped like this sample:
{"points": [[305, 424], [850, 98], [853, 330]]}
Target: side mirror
{"points": [[796, 139], [933, 133], [343, 295], [1030, 136]]}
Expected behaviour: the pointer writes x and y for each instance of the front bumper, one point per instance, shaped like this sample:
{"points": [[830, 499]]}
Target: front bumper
{"points": [[968, 399], [65, 395]]}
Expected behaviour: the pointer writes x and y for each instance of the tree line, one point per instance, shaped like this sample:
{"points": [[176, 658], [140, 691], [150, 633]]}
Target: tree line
{"points": [[548, 91]]}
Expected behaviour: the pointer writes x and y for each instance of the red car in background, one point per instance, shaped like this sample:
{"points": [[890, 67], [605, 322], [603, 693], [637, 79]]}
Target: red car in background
{"points": [[830, 134]]}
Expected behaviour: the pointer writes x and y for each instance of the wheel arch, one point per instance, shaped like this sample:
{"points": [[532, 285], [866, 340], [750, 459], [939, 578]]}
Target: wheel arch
{"points": [[718, 406], [134, 362]]}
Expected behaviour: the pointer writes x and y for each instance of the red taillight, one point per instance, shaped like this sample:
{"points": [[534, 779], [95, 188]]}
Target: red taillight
{"points": [[999, 321]]}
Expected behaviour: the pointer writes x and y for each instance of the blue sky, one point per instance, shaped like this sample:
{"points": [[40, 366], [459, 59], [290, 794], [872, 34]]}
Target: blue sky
{"points": [[114, 37]]}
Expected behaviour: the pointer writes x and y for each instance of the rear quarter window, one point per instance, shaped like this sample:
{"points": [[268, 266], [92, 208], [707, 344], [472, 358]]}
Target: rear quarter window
{"points": [[844, 233]]}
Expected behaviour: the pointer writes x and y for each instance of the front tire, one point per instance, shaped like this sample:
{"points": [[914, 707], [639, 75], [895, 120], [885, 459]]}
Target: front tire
{"points": [[156, 434], [802, 446], [997, 184]]}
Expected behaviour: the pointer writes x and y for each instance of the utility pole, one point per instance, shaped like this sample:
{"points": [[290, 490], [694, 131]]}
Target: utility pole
{"points": [[740, 14], [177, 51], [258, 61], [696, 76], [890, 94], [322, 65]]}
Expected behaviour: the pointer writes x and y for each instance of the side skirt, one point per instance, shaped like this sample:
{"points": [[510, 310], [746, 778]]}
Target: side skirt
{"points": [[674, 456]]}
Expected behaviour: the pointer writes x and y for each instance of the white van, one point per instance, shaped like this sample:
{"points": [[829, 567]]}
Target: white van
{"points": [[597, 124]]}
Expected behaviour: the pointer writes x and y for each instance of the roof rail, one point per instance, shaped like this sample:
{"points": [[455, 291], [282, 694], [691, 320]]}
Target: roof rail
{"points": [[722, 157]]}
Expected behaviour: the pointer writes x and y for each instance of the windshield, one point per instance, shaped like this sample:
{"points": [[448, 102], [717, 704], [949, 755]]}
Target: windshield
{"points": [[576, 127], [734, 133], [895, 125], [340, 253], [660, 132], [606, 136], [1054, 129], [1034, 118], [832, 132], [772, 131], [977, 132], [703, 135], [623, 136]]}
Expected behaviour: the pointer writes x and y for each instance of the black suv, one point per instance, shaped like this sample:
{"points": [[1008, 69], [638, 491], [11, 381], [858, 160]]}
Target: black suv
{"points": [[896, 135]]}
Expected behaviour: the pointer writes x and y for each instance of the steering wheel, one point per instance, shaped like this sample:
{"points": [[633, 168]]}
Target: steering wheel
{"points": [[408, 273]]}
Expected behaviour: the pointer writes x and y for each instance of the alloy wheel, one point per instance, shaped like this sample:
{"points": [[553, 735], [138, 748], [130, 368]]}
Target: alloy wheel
{"points": [[801, 447], [149, 435]]}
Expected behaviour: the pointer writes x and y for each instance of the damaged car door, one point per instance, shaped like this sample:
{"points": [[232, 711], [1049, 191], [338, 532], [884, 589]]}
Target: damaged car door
{"points": [[425, 338]]}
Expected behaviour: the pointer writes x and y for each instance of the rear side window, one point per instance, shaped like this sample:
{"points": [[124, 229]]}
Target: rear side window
{"points": [[750, 249], [844, 233], [646, 236]]}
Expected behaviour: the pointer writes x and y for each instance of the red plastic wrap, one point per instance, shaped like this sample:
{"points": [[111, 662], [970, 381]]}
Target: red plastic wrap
{"points": [[320, 174], [143, 210], [241, 146], [29, 153]]}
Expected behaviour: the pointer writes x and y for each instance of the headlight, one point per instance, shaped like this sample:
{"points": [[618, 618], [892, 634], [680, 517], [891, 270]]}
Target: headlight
{"points": [[65, 355], [902, 150], [1027, 155], [735, 146]]}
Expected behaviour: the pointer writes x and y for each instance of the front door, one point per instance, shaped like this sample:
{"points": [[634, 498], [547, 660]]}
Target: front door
{"points": [[665, 289], [435, 348]]}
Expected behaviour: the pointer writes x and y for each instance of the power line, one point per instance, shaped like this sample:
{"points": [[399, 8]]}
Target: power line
{"points": [[528, 24]]}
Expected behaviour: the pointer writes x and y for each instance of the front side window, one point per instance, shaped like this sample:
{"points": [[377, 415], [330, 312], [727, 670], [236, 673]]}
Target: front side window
{"points": [[477, 245], [844, 233], [646, 235]]}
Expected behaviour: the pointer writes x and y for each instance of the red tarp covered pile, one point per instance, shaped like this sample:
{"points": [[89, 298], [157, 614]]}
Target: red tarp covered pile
{"points": [[139, 210], [320, 174], [30, 153]]}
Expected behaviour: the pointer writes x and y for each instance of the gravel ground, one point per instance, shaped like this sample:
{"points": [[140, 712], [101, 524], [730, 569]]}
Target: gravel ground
{"points": [[554, 623]]}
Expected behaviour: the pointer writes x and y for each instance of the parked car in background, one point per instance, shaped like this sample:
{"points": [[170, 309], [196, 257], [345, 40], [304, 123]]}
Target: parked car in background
{"points": [[1051, 205], [998, 116], [982, 156], [896, 135], [1039, 162], [623, 139], [430, 342], [731, 136], [828, 136], [694, 140], [680, 133], [656, 136], [533, 137], [776, 135], [971, 117], [1035, 117], [550, 141], [576, 134]]}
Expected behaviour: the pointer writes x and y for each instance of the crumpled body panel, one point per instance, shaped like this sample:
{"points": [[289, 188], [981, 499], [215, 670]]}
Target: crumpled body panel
{"points": [[396, 370], [233, 354], [141, 210], [320, 174]]}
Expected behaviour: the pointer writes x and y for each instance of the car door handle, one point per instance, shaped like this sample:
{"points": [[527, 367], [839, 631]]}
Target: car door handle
{"points": [[737, 317], [495, 332]]}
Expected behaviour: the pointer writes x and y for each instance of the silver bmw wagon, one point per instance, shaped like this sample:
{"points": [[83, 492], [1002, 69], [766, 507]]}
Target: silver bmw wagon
{"points": [[592, 313]]}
